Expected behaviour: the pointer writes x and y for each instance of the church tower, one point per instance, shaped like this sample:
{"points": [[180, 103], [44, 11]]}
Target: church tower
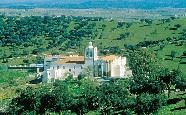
{"points": [[90, 54]]}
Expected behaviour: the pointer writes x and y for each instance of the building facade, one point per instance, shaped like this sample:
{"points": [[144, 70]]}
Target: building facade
{"points": [[58, 67]]}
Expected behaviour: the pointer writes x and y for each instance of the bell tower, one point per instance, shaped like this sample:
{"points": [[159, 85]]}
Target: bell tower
{"points": [[90, 54]]}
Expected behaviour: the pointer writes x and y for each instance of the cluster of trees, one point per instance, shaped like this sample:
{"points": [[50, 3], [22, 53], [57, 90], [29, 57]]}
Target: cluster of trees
{"points": [[21, 30], [143, 93], [77, 97], [111, 50], [123, 36], [124, 24], [147, 43], [149, 76], [42, 33], [147, 21]]}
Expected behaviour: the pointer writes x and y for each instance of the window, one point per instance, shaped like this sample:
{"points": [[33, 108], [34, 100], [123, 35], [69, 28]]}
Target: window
{"points": [[87, 53], [91, 53]]}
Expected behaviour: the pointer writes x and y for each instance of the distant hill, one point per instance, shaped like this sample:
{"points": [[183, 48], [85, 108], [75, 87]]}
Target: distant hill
{"points": [[137, 4]]}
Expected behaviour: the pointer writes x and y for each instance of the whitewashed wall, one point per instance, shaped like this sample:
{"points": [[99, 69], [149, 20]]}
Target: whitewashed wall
{"points": [[118, 67], [57, 71]]}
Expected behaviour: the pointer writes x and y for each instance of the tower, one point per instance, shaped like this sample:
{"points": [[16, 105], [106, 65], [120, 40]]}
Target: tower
{"points": [[90, 54], [90, 57]]}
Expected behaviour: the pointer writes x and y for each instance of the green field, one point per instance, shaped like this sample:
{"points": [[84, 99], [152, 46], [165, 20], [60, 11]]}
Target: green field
{"points": [[104, 34]]}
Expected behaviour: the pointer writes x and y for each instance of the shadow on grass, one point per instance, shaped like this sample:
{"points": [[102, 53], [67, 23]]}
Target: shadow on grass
{"points": [[3, 113], [182, 94], [36, 81], [173, 101], [168, 59], [179, 108], [168, 55]]}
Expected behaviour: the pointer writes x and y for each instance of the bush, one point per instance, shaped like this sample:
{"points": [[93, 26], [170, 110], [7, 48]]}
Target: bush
{"points": [[181, 83], [55, 53], [173, 101], [25, 52], [148, 103], [173, 54], [124, 36], [184, 53], [26, 61]]}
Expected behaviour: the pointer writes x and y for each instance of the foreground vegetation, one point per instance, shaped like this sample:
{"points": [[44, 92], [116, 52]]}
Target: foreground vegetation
{"points": [[10, 83], [150, 90]]}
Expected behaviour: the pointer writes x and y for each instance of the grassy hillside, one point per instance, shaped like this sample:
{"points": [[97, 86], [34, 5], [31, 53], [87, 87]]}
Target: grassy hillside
{"points": [[25, 40]]}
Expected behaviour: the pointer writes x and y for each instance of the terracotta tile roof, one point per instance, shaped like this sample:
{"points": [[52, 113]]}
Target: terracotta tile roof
{"points": [[80, 59], [70, 59], [109, 58]]}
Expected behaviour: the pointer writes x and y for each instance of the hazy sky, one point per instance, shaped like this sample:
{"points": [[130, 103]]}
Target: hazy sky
{"points": [[80, 1], [72, 1]]}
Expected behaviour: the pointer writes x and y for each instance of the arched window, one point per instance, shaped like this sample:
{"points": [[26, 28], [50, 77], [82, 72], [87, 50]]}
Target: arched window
{"points": [[87, 53], [91, 53]]}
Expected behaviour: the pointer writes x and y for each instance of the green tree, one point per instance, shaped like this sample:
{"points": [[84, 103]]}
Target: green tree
{"points": [[25, 52], [55, 53], [149, 103], [47, 103], [184, 53], [114, 98], [39, 60], [180, 81], [68, 76], [148, 21], [169, 78], [146, 72], [86, 99], [4, 57], [63, 96], [81, 76], [27, 102], [147, 81], [173, 54]]}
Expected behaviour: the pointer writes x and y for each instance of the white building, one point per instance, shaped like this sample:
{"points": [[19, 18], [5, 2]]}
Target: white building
{"points": [[57, 67]]}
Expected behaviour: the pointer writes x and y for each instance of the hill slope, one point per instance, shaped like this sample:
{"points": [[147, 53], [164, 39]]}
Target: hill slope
{"points": [[25, 40]]}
